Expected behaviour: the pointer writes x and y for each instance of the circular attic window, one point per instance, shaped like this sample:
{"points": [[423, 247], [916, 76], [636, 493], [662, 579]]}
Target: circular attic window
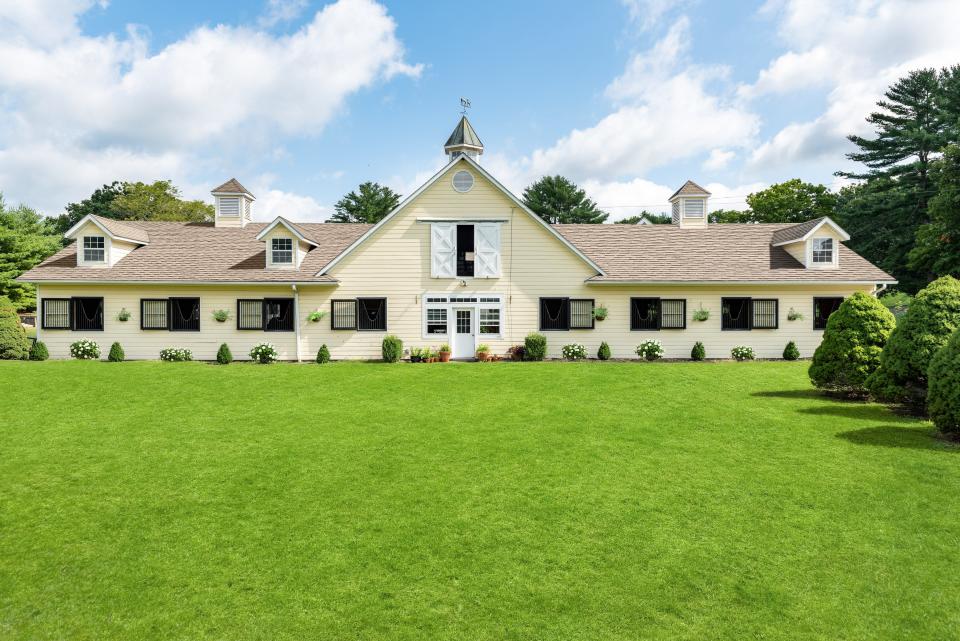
{"points": [[463, 181]]}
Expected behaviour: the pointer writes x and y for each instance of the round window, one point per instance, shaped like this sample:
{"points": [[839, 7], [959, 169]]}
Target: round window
{"points": [[463, 181]]}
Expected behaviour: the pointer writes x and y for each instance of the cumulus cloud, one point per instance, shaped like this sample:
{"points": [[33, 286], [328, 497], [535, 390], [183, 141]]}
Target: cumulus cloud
{"points": [[109, 97], [278, 11]]}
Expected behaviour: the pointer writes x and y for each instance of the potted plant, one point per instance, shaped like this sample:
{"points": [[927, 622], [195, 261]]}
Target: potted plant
{"points": [[794, 315], [600, 313], [701, 314], [221, 315], [444, 353], [316, 316], [416, 354], [123, 316], [483, 351], [516, 352]]}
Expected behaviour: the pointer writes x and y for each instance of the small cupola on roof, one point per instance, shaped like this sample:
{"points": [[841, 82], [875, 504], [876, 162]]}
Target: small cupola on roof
{"points": [[233, 203], [689, 205], [464, 141]]}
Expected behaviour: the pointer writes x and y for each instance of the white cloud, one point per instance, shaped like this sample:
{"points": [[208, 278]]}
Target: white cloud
{"points": [[719, 159], [272, 202], [218, 90], [647, 13], [278, 11]]}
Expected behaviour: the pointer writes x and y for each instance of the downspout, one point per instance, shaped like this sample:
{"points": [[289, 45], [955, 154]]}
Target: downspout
{"points": [[38, 321], [879, 288], [296, 318]]}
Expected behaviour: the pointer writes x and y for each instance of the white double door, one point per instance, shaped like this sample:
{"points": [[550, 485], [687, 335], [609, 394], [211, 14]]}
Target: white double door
{"points": [[464, 332]]}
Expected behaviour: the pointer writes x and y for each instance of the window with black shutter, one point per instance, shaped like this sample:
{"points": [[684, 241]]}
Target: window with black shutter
{"points": [[735, 314], [278, 315], [184, 315], [372, 314], [644, 314], [554, 314], [87, 314], [822, 308]]}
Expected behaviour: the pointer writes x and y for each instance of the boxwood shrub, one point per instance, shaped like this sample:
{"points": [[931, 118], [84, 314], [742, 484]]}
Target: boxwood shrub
{"points": [[39, 352], [116, 353], [392, 348], [224, 357], [14, 344], [790, 352], [323, 354], [933, 316], [604, 352], [943, 396], [535, 347], [699, 352]]}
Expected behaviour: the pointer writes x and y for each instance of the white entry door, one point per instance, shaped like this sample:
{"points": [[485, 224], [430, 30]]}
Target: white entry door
{"points": [[463, 339]]}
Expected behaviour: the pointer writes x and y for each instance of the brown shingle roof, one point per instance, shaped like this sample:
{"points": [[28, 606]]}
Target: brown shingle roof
{"points": [[719, 253], [123, 229], [232, 186], [690, 188], [794, 232], [201, 252]]}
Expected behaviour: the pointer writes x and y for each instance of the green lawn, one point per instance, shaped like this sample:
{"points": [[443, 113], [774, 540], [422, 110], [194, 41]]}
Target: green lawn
{"points": [[533, 501]]}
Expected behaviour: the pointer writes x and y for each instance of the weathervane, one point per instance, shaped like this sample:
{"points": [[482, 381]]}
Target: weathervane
{"points": [[465, 103]]}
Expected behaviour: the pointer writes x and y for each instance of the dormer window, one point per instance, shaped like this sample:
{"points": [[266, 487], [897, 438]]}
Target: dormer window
{"points": [[281, 251], [693, 208], [94, 249], [823, 250]]}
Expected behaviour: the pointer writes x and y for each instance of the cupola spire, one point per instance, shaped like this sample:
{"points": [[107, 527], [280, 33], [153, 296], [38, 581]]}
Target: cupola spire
{"points": [[463, 141]]}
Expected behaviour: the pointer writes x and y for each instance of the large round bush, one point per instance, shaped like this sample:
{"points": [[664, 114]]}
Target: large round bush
{"points": [[852, 343], [14, 344], [391, 348], [933, 316], [943, 396], [535, 347]]}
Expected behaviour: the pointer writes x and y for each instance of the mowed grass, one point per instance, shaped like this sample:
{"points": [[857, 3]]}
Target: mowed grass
{"points": [[539, 501]]}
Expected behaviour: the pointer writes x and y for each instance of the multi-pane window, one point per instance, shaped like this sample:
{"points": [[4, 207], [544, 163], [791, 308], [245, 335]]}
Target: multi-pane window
{"points": [[735, 313], [673, 314], [153, 313], [489, 321], [436, 320], [822, 308], [87, 314], [278, 315], [249, 314], [822, 250], [554, 314], [372, 314], [343, 314], [184, 315], [281, 251], [55, 313], [93, 249], [644, 314], [765, 313], [581, 313]]}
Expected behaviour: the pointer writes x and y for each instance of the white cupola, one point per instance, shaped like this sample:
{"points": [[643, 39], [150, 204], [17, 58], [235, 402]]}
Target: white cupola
{"points": [[233, 203], [689, 205], [464, 141]]}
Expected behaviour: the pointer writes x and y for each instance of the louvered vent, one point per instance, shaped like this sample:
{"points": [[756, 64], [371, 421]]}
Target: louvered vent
{"points": [[463, 181], [229, 206]]}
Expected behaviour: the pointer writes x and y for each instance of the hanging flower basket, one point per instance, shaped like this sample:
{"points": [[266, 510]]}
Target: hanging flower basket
{"points": [[124, 315], [316, 316]]}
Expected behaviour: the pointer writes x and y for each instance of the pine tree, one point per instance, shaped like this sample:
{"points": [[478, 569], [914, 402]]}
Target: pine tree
{"points": [[937, 247], [116, 353], [323, 354], [558, 200], [224, 357], [371, 205]]}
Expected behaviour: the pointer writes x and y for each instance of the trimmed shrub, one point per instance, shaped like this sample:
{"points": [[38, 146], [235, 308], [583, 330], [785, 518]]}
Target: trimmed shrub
{"points": [[650, 349], [116, 353], [14, 344], [517, 352], [699, 352], [224, 357], [85, 350], [39, 352], [264, 353], [943, 396], [604, 352], [574, 352], [933, 316], [535, 347], [790, 352], [852, 343], [742, 353], [323, 354], [175, 355], [392, 348]]}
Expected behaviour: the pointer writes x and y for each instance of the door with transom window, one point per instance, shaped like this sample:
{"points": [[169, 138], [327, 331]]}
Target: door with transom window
{"points": [[464, 345]]}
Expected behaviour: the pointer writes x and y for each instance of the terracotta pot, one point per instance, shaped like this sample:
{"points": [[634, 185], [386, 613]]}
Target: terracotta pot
{"points": [[444, 357], [482, 356]]}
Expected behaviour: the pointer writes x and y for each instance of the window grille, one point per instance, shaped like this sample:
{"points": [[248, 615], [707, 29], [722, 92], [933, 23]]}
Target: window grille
{"points": [[823, 250], [343, 314], [673, 314], [581, 313], [764, 313], [490, 321], [436, 320], [282, 250], [56, 313], [93, 249], [153, 313]]}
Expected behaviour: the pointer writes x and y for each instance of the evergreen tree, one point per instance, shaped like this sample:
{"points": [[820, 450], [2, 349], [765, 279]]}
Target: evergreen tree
{"points": [[26, 238], [558, 200], [14, 344], [937, 247], [373, 202]]}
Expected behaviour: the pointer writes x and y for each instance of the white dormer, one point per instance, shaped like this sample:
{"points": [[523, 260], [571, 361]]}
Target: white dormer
{"points": [[103, 242], [689, 205], [815, 243], [286, 244], [233, 204]]}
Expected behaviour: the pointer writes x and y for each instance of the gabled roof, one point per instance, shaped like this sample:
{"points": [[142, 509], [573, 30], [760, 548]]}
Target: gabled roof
{"points": [[232, 186], [476, 167], [295, 229], [803, 231], [720, 253], [463, 135], [115, 229], [690, 188]]}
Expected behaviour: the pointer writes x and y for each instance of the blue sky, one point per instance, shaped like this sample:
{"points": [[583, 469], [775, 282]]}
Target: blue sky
{"points": [[302, 100]]}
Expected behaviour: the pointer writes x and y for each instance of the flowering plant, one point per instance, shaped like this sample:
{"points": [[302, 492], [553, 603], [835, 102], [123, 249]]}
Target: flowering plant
{"points": [[85, 350], [264, 353], [742, 353], [651, 349], [574, 352], [175, 354]]}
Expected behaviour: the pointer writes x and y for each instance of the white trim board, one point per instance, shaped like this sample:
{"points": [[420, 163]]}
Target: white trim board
{"points": [[826, 219], [90, 218], [280, 220]]}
